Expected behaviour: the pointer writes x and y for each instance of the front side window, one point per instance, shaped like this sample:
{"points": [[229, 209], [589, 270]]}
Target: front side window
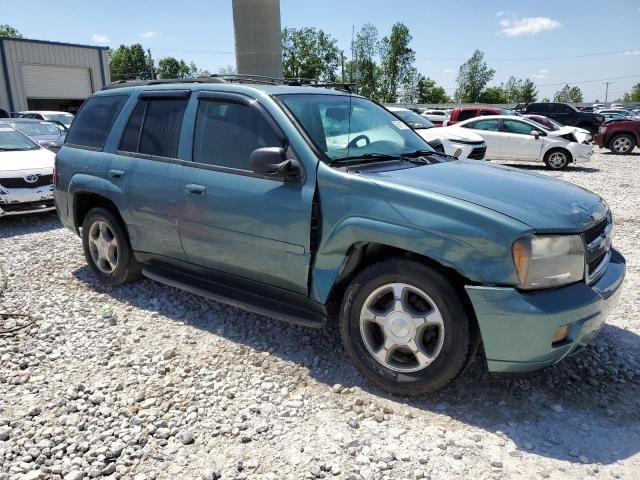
{"points": [[13, 141], [343, 126], [487, 125], [154, 127], [226, 134], [93, 123], [522, 128]]}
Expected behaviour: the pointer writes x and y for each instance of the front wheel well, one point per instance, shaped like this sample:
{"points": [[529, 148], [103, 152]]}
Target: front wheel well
{"points": [[362, 254]]}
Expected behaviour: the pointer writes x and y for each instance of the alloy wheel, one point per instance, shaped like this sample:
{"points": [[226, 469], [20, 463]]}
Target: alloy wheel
{"points": [[557, 160], [621, 145], [103, 247], [402, 327]]}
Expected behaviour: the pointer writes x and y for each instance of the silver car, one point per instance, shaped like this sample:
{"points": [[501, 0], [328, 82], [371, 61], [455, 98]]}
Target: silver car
{"points": [[47, 134]]}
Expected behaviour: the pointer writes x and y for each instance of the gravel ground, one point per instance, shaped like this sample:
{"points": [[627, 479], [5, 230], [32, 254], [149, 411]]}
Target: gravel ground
{"points": [[149, 382]]}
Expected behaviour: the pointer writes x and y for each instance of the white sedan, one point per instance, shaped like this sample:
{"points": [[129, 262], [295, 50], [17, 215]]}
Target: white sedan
{"points": [[26, 174], [455, 141], [436, 116], [518, 138]]}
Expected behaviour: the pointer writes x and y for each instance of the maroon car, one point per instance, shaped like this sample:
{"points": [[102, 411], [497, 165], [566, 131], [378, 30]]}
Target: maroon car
{"points": [[619, 136], [464, 113]]}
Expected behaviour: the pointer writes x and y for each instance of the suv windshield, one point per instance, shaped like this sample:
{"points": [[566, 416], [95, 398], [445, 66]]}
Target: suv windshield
{"points": [[36, 128], [412, 119], [11, 141], [343, 126]]}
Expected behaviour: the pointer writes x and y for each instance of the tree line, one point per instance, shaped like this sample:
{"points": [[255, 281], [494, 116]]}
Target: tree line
{"points": [[381, 68]]}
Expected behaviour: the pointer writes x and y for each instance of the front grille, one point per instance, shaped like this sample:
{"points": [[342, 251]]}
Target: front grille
{"points": [[478, 153], [597, 244], [26, 206], [595, 231], [21, 182]]}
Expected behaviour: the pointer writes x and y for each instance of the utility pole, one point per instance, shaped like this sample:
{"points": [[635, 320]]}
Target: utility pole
{"points": [[150, 64], [606, 92]]}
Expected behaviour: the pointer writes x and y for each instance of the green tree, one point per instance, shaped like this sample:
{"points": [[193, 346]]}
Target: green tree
{"points": [[429, 92], [396, 61], [363, 69], [519, 91], [633, 95], [131, 63], [170, 67], [473, 77], [528, 92], [568, 94], [493, 95], [9, 31], [309, 53]]}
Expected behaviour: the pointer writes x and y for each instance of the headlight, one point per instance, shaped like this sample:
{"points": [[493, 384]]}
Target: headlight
{"points": [[547, 261], [602, 129]]}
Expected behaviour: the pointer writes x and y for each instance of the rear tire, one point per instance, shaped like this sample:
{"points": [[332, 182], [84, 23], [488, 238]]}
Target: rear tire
{"points": [[557, 159], [107, 250], [622, 143], [405, 327]]}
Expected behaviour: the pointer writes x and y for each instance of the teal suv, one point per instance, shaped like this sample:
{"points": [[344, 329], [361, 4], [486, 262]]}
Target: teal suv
{"points": [[314, 205]]}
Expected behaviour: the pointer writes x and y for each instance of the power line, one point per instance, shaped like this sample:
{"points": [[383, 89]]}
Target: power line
{"points": [[531, 59]]}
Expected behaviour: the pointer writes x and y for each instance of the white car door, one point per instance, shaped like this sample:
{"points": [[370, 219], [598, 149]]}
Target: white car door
{"points": [[489, 130], [518, 143]]}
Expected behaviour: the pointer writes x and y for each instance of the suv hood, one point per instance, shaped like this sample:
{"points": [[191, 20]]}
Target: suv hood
{"points": [[26, 160], [543, 203], [450, 133]]}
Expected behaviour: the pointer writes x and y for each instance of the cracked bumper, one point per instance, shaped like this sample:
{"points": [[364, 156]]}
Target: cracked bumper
{"points": [[19, 201], [517, 328]]}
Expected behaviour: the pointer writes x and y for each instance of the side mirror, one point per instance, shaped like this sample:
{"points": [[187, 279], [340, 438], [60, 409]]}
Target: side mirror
{"points": [[536, 134], [273, 162]]}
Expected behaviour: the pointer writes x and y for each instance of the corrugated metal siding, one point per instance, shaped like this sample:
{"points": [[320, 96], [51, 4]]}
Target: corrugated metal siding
{"points": [[20, 52], [4, 98]]}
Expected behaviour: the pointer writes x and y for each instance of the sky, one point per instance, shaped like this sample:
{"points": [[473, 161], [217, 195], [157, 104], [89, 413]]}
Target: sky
{"points": [[555, 42]]}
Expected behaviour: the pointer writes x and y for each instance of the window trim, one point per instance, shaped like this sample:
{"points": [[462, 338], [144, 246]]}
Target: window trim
{"points": [[106, 138], [252, 103]]}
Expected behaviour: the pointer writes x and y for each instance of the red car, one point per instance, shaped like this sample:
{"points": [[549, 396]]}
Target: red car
{"points": [[465, 113], [619, 136]]}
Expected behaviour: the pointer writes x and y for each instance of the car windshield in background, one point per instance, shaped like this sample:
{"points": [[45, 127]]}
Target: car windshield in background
{"points": [[36, 128], [343, 126], [64, 119], [414, 120], [11, 141]]}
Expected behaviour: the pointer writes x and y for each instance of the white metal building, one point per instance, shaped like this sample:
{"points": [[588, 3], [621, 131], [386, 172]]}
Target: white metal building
{"points": [[40, 75]]}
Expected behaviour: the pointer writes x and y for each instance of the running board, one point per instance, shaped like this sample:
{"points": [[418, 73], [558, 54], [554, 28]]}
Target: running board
{"points": [[260, 299]]}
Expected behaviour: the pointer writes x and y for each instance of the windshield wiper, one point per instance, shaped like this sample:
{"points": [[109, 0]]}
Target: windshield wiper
{"points": [[364, 158], [414, 157]]}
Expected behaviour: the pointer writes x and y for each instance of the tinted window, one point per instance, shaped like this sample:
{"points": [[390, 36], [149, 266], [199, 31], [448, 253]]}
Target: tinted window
{"points": [[131, 135], [490, 125], [161, 129], [513, 126], [226, 133], [465, 114], [538, 108], [94, 120]]}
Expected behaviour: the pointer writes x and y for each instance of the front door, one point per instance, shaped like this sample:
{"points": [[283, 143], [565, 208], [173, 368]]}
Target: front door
{"points": [[518, 143], [488, 129], [231, 219]]}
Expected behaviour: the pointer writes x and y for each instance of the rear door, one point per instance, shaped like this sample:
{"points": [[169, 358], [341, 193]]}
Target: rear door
{"points": [[231, 219], [518, 143], [147, 145], [489, 130]]}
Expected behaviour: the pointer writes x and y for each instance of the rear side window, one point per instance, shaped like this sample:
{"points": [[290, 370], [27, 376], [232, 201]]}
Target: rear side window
{"points": [[91, 126], [227, 133], [488, 125], [466, 114], [154, 127], [538, 108]]}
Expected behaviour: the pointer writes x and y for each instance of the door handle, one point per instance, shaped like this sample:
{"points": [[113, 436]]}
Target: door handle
{"points": [[116, 173], [194, 189]]}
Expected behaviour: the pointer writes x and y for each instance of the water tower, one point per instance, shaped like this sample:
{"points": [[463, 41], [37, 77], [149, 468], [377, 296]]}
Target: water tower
{"points": [[258, 37]]}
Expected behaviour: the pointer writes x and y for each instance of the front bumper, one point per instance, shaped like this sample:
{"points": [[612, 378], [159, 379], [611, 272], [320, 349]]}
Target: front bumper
{"points": [[517, 328], [599, 140], [581, 152], [19, 201]]}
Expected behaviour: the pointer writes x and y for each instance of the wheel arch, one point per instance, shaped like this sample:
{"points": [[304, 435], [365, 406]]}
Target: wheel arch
{"points": [[84, 201]]}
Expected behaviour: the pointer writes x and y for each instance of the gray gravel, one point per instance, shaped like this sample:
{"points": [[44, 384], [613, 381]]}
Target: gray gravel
{"points": [[149, 382]]}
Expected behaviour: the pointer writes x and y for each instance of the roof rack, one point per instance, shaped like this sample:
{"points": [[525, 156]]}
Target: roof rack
{"points": [[236, 78], [140, 83], [292, 82]]}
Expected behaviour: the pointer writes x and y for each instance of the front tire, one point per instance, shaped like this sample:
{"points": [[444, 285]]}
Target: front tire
{"points": [[405, 327], [622, 144], [557, 159], [107, 250]]}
